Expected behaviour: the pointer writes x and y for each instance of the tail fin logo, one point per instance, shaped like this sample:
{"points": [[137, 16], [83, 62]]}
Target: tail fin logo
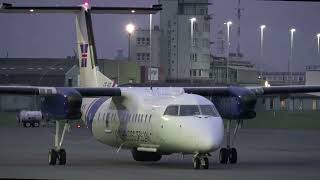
{"points": [[84, 54]]}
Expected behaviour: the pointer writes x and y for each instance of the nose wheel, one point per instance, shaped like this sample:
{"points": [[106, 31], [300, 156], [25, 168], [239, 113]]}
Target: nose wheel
{"points": [[200, 160], [229, 154]]}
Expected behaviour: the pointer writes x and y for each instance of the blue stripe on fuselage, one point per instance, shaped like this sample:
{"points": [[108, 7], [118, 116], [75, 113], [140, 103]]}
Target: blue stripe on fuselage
{"points": [[93, 110]]}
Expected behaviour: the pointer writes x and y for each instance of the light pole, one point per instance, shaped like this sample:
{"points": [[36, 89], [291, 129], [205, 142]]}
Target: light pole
{"points": [[229, 23], [262, 27], [318, 38], [130, 29], [192, 20], [292, 30]]}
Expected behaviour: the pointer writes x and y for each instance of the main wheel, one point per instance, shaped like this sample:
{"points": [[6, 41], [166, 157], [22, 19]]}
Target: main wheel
{"points": [[27, 124], [156, 157], [145, 156], [62, 157], [205, 164], [36, 124], [223, 156], [233, 157], [52, 157], [196, 163]]}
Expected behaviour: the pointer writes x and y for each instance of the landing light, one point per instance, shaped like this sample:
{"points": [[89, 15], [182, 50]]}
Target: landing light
{"points": [[31, 10], [266, 84], [165, 118], [133, 11]]}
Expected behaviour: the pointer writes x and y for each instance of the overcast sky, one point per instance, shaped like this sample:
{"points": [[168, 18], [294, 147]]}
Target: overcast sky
{"points": [[52, 35]]}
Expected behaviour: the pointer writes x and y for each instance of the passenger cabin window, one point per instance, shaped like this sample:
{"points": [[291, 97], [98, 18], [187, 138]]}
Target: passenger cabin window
{"points": [[172, 111], [189, 110]]}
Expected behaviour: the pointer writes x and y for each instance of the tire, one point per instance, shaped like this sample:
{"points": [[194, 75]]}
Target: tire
{"points": [[36, 124], [233, 156], [206, 163], [136, 155], [27, 124], [223, 156], [155, 157], [62, 157], [196, 163], [145, 156], [52, 157]]}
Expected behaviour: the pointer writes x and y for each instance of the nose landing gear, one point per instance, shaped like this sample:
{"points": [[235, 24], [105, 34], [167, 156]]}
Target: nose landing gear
{"points": [[200, 160], [229, 154]]}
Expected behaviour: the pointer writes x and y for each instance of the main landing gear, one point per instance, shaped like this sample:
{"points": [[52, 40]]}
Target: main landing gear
{"points": [[200, 160], [229, 154], [58, 154]]}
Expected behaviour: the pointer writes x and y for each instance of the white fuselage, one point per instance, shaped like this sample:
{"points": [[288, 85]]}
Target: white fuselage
{"points": [[137, 120]]}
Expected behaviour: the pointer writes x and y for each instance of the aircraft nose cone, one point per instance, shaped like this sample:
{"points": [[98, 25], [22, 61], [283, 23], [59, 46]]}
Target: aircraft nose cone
{"points": [[211, 137]]}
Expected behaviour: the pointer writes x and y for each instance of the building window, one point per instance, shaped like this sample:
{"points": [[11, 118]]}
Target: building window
{"points": [[206, 27], [138, 56], [282, 104], [194, 72], [199, 72], [300, 78], [205, 43], [195, 42], [202, 11], [138, 41], [195, 27], [300, 104], [314, 104], [147, 41], [194, 57], [271, 103], [147, 56]]}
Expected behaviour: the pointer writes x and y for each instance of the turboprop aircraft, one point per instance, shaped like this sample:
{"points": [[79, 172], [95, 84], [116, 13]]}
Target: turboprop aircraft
{"points": [[150, 122]]}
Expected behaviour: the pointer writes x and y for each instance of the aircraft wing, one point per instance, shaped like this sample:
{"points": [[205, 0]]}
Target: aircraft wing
{"points": [[9, 8], [231, 90], [116, 91], [48, 91]]}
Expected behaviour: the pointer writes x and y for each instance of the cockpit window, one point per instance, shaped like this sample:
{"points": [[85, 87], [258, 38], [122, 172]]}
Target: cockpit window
{"points": [[189, 110], [172, 110], [208, 110]]}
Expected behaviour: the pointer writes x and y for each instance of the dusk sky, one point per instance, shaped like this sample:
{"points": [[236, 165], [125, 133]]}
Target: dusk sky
{"points": [[53, 35]]}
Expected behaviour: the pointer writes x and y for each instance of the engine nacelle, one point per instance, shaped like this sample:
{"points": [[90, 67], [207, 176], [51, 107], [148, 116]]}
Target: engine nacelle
{"points": [[239, 105], [66, 104]]}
